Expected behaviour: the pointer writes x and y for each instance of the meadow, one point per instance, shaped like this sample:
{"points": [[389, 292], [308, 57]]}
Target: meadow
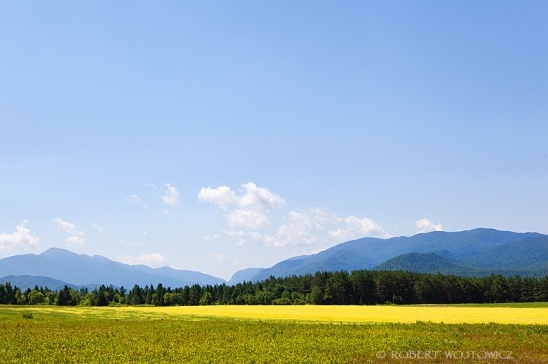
{"points": [[275, 334]]}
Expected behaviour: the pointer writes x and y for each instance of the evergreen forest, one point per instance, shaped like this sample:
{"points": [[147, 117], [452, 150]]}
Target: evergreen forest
{"points": [[359, 287]]}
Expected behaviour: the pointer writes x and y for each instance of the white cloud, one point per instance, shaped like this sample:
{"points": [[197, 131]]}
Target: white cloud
{"points": [[248, 219], [68, 227], [137, 200], [154, 260], [301, 228], [249, 210], [75, 241], [219, 257], [211, 237], [238, 235], [248, 215], [20, 240], [235, 233], [171, 195], [319, 227], [353, 227], [76, 238], [97, 228], [222, 196], [424, 226], [259, 198]]}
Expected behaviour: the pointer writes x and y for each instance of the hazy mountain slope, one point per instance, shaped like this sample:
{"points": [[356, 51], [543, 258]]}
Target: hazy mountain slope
{"points": [[81, 270], [176, 274], [244, 275], [25, 282]]}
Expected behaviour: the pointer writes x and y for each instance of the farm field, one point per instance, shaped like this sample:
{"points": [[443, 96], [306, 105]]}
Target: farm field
{"points": [[522, 313], [272, 334]]}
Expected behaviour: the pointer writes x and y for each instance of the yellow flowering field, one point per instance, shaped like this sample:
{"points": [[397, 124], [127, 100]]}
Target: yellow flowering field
{"points": [[454, 314], [275, 334], [401, 314]]}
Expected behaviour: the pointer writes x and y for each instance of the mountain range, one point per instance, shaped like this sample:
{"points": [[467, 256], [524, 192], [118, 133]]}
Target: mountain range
{"points": [[80, 270], [477, 252]]}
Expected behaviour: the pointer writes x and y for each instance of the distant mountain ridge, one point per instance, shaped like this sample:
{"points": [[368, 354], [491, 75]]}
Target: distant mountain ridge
{"points": [[84, 270], [244, 275], [26, 281], [476, 252]]}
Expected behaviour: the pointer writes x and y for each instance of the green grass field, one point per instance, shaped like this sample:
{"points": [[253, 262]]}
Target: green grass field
{"points": [[268, 334]]}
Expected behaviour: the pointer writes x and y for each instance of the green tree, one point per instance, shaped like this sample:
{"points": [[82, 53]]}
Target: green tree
{"points": [[35, 298], [148, 294], [158, 295], [64, 297], [206, 299], [315, 296], [194, 295], [363, 286]]}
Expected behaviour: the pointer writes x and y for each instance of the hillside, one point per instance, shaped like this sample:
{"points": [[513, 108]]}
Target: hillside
{"points": [[84, 270], [244, 275], [427, 263], [475, 252], [25, 282]]}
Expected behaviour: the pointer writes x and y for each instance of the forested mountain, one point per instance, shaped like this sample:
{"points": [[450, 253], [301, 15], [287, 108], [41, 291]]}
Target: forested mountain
{"points": [[472, 253], [83, 270], [477, 252], [427, 263]]}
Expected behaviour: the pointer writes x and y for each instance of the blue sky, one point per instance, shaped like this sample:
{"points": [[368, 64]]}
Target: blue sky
{"points": [[221, 135]]}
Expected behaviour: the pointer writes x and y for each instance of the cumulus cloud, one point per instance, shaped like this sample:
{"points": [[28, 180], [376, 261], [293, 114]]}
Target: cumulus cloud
{"points": [[320, 227], [20, 240], [76, 237], [353, 227], [257, 197], [222, 196], [248, 218], [167, 193], [424, 226], [301, 228], [154, 260], [171, 195], [248, 214], [249, 210]]}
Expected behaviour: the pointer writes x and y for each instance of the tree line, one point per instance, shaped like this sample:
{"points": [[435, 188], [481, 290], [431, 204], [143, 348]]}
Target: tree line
{"points": [[360, 287]]}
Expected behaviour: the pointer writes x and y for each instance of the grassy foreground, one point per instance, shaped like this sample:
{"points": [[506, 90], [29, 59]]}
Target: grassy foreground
{"points": [[269, 334]]}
